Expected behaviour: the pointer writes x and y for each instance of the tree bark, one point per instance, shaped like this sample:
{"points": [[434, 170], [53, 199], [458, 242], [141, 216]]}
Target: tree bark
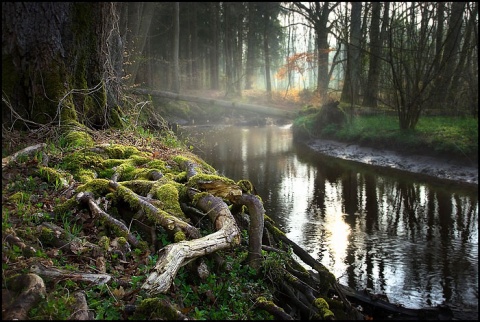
{"points": [[60, 58], [352, 75]]}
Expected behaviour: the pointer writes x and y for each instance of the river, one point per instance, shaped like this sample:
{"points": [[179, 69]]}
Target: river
{"points": [[389, 232]]}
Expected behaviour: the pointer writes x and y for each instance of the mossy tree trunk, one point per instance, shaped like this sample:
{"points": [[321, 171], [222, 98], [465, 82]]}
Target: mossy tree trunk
{"points": [[61, 61]]}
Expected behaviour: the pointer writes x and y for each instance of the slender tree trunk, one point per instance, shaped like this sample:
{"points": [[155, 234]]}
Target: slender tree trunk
{"points": [[214, 49], [352, 75], [250, 47], [266, 52], [450, 53], [176, 47], [371, 90], [144, 12]]}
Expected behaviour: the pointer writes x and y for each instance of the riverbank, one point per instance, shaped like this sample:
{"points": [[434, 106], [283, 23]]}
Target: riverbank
{"points": [[442, 169]]}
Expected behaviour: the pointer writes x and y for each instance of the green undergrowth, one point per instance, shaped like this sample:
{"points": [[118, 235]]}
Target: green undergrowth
{"points": [[452, 137]]}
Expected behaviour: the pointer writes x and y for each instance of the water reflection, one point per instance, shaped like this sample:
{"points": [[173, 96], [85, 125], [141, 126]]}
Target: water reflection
{"points": [[415, 242]]}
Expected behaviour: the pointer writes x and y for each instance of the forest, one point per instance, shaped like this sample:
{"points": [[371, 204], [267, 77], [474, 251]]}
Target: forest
{"points": [[101, 200]]}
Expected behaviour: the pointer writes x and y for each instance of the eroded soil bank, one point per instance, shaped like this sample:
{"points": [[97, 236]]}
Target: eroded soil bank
{"points": [[443, 169]]}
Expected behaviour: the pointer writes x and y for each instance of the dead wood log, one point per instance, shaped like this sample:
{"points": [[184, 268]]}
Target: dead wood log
{"points": [[170, 223], [222, 103], [32, 290], [87, 198], [174, 256], [28, 151], [58, 274]]}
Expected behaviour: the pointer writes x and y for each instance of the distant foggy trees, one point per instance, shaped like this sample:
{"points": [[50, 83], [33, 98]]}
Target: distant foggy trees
{"points": [[411, 57]]}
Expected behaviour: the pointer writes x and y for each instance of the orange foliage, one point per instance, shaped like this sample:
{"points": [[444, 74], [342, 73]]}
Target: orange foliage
{"points": [[298, 63]]}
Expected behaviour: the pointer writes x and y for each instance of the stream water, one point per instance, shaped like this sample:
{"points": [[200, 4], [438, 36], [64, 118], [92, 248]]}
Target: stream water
{"points": [[414, 241]]}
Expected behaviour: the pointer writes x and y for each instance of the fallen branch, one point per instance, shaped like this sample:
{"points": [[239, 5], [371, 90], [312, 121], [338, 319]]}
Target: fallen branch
{"points": [[58, 274], [28, 151]]}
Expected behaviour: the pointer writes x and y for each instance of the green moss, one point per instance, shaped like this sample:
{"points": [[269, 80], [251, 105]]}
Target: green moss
{"points": [[158, 165], [85, 175], [81, 160], [322, 305], [98, 187], [53, 176], [126, 195], [141, 187], [110, 163], [117, 117], [65, 207], [245, 185], [19, 197], [193, 182], [47, 235], [155, 308], [168, 195], [122, 241], [79, 139], [205, 167], [104, 243], [117, 151], [179, 236], [199, 196], [277, 232]]}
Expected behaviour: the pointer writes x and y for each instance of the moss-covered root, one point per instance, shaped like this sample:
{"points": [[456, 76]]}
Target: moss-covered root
{"points": [[272, 308], [155, 215], [324, 309], [155, 308]]}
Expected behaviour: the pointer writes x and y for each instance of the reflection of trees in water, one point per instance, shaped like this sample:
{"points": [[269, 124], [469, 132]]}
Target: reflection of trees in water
{"points": [[424, 238]]}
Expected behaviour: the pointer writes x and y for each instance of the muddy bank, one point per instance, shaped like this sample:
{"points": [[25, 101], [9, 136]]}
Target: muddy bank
{"points": [[425, 165]]}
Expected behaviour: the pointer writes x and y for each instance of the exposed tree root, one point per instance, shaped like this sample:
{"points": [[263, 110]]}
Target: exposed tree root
{"points": [[85, 197], [170, 223], [174, 256]]}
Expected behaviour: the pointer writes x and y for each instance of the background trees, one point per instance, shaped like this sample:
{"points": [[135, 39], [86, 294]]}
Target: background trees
{"points": [[413, 58]]}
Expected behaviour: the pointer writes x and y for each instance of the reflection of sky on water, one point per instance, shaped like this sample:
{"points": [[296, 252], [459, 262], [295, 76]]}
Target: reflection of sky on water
{"points": [[414, 242]]}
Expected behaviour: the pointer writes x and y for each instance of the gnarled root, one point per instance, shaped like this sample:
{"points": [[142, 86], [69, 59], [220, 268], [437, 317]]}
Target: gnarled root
{"points": [[174, 256]]}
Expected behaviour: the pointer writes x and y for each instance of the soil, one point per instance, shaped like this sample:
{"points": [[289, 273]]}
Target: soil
{"points": [[440, 168]]}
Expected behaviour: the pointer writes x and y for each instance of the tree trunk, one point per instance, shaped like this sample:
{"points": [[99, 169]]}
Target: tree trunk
{"points": [[51, 50], [266, 52], [352, 75], [176, 45], [250, 66], [371, 90], [214, 48]]}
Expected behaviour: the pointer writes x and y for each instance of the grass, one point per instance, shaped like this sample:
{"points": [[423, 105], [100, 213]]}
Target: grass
{"points": [[441, 136]]}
